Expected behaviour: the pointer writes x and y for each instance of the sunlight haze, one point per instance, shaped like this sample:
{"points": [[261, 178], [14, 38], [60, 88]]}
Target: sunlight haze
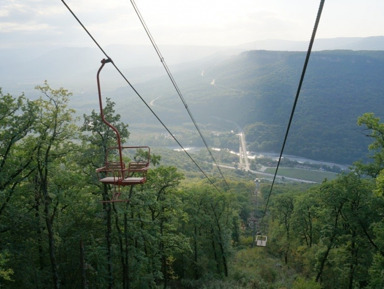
{"points": [[181, 22]]}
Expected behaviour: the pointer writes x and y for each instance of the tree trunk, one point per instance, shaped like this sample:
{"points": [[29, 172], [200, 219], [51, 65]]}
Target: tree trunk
{"points": [[221, 243], [122, 247], [330, 245], [164, 268], [51, 242], [126, 239], [108, 233], [195, 254], [222, 250], [83, 267], [223, 258], [214, 251], [352, 266], [310, 228], [287, 230], [38, 229]]}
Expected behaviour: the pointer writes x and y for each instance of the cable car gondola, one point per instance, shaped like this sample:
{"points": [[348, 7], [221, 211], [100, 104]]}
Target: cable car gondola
{"points": [[115, 171]]}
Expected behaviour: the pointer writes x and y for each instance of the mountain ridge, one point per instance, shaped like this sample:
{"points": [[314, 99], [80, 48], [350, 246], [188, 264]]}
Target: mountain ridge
{"points": [[255, 88]]}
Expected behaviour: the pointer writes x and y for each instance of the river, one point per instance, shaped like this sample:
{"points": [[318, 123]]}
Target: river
{"points": [[273, 156]]}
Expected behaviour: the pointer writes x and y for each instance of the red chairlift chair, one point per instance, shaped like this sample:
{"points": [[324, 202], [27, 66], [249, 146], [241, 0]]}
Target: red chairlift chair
{"points": [[115, 171]]}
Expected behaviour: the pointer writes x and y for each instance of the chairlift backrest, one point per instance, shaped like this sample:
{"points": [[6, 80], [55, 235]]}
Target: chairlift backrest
{"points": [[116, 172]]}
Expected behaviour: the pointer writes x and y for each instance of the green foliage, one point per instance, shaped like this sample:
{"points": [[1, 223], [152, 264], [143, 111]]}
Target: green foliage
{"points": [[173, 232], [325, 230], [5, 273], [256, 268], [17, 118], [301, 283], [376, 272], [209, 226], [376, 133]]}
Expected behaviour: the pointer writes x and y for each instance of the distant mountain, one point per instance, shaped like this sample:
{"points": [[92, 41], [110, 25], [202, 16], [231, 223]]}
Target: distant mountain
{"points": [[74, 67], [256, 90], [227, 87], [344, 43]]}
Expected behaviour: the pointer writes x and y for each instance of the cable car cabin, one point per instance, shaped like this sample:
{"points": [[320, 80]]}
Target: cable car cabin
{"points": [[261, 240], [116, 172]]}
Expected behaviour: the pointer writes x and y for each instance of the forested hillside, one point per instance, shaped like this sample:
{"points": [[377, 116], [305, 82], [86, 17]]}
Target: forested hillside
{"points": [[253, 90], [256, 90], [58, 228]]}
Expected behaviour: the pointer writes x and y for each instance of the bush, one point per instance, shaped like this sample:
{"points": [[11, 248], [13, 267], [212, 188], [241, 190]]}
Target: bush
{"points": [[302, 283]]}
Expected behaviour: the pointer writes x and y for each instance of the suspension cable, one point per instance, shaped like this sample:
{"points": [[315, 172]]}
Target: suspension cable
{"points": [[296, 99], [138, 94], [155, 46]]}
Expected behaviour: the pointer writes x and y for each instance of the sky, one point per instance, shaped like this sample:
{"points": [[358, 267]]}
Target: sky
{"points": [[48, 23]]}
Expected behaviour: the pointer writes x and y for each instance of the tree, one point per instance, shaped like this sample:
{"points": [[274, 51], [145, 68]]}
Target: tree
{"points": [[165, 209], [148, 230], [209, 224], [375, 169], [376, 132], [306, 230], [17, 117], [283, 209], [345, 214], [304, 218], [55, 133], [97, 137]]}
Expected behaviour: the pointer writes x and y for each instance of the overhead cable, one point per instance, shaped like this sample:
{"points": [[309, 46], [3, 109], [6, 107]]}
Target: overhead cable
{"points": [[174, 83], [138, 94], [296, 98]]}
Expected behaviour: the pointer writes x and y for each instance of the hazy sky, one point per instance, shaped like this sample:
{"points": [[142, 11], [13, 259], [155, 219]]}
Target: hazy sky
{"points": [[192, 22]]}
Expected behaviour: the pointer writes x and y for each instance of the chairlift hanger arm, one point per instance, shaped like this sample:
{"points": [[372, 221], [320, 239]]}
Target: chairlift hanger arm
{"points": [[103, 62]]}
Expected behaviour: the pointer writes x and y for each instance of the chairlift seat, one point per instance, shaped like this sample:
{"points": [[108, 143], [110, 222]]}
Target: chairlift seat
{"points": [[122, 182], [261, 240], [121, 174], [134, 180]]}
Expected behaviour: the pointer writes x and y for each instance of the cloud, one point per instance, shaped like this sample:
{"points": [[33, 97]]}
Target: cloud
{"points": [[8, 27], [32, 23], [29, 16], [197, 22]]}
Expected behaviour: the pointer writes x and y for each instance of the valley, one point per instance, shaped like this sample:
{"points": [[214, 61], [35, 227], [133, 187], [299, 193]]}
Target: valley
{"points": [[226, 89]]}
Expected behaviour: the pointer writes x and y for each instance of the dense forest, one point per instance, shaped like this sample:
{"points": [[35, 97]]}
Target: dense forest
{"points": [[58, 230]]}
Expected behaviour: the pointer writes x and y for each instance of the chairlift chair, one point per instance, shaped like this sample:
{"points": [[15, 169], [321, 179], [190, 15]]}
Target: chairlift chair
{"points": [[119, 173], [115, 171], [261, 240]]}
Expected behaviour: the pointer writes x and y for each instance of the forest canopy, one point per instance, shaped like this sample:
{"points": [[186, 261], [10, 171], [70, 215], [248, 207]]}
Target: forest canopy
{"points": [[58, 230]]}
